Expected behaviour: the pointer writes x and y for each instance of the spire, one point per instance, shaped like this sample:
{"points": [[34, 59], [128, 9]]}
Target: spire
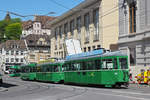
{"points": [[7, 17]]}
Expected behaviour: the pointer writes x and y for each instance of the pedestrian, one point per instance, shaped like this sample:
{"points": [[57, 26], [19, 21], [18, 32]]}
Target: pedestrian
{"points": [[130, 75]]}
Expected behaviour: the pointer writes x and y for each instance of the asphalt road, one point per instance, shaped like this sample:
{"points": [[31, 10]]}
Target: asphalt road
{"points": [[16, 89]]}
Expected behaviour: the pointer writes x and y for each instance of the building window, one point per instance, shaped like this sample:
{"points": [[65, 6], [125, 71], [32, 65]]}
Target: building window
{"points": [[44, 33], [7, 52], [60, 31], [85, 49], [38, 25], [89, 48], [93, 47], [17, 52], [21, 52], [132, 17], [40, 42], [66, 28], [31, 41], [98, 46], [56, 33], [132, 56], [7, 60], [55, 47], [60, 46], [79, 25], [32, 56], [86, 24], [96, 24], [12, 52], [72, 27], [12, 46], [12, 59], [21, 60], [17, 60]]}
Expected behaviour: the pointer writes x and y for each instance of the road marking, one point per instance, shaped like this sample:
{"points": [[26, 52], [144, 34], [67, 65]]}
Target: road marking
{"points": [[131, 93], [118, 95]]}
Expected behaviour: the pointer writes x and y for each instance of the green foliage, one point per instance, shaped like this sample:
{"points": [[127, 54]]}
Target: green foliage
{"points": [[13, 31], [6, 29]]}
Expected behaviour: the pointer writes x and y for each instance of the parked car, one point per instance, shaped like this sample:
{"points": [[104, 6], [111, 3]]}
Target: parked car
{"points": [[1, 80]]}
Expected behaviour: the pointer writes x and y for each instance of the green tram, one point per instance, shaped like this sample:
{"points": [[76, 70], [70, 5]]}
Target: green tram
{"points": [[108, 69], [50, 72], [28, 72], [14, 71], [47, 72]]}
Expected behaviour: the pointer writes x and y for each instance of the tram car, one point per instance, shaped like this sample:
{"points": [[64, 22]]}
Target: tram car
{"points": [[50, 72], [46, 72], [28, 72], [108, 69], [14, 71]]}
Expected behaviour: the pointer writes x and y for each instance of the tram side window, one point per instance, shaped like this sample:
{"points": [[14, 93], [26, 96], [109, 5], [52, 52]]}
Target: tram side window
{"points": [[90, 65], [34, 69], [63, 68], [23, 70], [38, 69], [97, 64], [56, 68], [107, 64], [50, 68], [115, 64], [123, 63], [47, 68], [69, 67], [76, 66], [30, 69], [83, 66]]}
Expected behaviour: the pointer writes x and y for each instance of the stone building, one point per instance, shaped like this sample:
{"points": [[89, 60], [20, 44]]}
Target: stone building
{"points": [[93, 22], [38, 26], [134, 32], [12, 52], [38, 47]]}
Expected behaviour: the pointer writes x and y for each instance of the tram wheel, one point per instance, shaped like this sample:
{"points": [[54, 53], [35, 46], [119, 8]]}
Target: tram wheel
{"points": [[117, 86]]}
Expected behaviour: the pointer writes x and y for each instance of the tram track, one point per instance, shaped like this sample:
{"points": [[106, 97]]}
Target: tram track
{"points": [[30, 88], [33, 88], [74, 94], [47, 91]]}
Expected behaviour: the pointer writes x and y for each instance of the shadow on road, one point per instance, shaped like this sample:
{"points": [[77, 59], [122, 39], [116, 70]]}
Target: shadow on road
{"points": [[7, 85], [96, 86]]}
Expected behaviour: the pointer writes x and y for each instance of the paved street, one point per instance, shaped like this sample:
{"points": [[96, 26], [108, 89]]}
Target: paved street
{"points": [[16, 89]]}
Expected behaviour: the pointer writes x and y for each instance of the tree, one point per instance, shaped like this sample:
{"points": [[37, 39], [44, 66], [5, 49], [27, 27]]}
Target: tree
{"points": [[13, 31], [4, 24]]}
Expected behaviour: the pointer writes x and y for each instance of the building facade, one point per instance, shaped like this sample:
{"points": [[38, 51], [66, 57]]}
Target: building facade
{"points": [[134, 32], [12, 52], [91, 22], [38, 47], [39, 26]]}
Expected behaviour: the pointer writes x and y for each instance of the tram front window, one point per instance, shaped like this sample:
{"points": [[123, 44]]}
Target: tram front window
{"points": [[123, 63]]}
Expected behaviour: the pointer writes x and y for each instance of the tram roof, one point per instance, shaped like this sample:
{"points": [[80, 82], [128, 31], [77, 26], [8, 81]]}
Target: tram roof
{"points": [[60, 61], [15, 67], [31, 65], [107, 54]]}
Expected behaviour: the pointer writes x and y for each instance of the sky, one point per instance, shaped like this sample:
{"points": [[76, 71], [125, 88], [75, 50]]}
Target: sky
{"points": [[36, 7]]}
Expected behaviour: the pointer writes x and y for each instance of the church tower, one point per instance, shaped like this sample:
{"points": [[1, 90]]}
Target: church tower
{"points": [[7, 17]]}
